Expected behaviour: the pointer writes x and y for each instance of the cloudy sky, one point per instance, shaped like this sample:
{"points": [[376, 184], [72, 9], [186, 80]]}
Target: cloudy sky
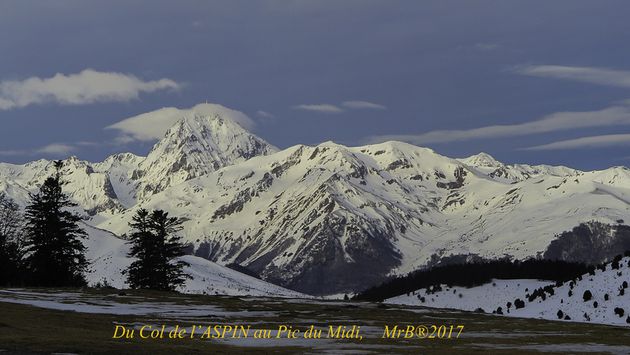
{"points": [[526, 81]]}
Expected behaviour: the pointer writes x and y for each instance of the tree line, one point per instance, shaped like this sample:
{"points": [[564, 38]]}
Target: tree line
{"points": [[475, 274], [42, 245]]}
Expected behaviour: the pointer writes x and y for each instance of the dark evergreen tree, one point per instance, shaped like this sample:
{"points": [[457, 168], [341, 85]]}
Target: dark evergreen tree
{"points": [[156, 246], [560, 314], [140, 273], [54, 252], [10, 241], [619, 311]]}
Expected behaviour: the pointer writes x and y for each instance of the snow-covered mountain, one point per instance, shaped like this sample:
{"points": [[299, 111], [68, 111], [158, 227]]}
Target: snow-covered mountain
{"points": [[201, 140], [196, 145], [90, 188], [332, 218], [607, 300], [108, 256], [329, 218], [489, 166]]}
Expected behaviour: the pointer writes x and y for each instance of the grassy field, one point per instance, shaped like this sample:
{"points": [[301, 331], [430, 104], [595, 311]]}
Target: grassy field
{"points": [[42, 321]]}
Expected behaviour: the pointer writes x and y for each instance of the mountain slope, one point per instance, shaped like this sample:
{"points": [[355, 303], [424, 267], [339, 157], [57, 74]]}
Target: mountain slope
{"points": [[560, 302], [498, 171], [202, 141], [91, 189], [330, 219], [109, 258]]}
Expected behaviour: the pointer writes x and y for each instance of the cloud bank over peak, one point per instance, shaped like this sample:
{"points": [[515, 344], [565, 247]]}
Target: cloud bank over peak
{"points": [[152, 125], [86, 87]]}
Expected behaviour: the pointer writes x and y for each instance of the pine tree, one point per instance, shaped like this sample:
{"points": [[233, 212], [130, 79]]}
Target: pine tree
{"points": [[55, 255], [156, 245], [140, 272], [10, 241]]}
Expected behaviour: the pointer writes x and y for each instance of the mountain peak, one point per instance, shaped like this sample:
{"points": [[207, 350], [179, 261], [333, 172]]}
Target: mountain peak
{"points": [[205, 139], [218, 111], [219, 134], [482, 160]]}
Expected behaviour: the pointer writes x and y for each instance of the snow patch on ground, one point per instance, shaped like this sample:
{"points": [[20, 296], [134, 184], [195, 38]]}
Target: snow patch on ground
{"points": [[498, 293]]}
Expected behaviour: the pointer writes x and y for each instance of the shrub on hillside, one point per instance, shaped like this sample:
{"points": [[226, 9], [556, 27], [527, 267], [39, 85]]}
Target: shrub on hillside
{"points": [[587, 295], [619, 311]]}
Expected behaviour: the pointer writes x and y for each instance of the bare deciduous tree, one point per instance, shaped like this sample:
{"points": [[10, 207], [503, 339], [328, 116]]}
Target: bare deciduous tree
{"points": [[11, 223]]}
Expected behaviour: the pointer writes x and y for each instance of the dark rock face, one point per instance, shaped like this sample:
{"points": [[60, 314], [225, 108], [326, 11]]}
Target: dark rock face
{"points": [[590, 243], [339, 255], [459, 174], [399, 164], [322, 267], [109, 189], [244, 196]]}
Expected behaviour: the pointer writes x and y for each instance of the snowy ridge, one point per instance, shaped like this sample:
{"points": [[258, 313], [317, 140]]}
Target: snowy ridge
{"points": [[119, 168], [491, 167], [202, 139], [199, 143], [308, 211], [91, 189], [608, 297], [330, 219]]}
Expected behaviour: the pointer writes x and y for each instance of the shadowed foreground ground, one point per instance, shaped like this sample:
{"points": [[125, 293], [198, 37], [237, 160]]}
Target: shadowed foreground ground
{"points": [[83, 322]]}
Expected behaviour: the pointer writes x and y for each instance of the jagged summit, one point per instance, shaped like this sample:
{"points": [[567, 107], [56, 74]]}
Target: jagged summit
{"points": [[151, 126], [483, 160], [202, 141]]}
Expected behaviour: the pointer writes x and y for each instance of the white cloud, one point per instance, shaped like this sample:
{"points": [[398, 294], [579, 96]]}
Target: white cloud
{"points": [[88, 86], [586, 142], [363, 105], [330, 108], [54, 149], [323, 108], [88, 144], [600, 76], [152, 125], [264, 114], [560, 121]]}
